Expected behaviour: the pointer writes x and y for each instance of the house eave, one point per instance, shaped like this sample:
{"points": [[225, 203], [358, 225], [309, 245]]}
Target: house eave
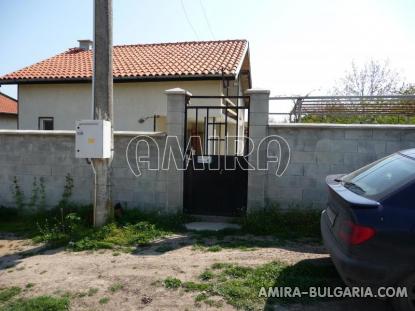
{"points": [[10, 114], [120, 79]]}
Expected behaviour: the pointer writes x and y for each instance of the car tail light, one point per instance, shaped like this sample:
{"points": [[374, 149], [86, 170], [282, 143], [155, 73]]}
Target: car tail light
{"points": [[354, 234]]}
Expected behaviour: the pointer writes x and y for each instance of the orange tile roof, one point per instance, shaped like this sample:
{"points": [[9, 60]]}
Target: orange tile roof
{"points": [[7, 104], [142, 61]]}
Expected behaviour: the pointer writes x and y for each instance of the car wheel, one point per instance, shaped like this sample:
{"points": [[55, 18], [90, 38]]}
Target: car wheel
{"points": [[406, 303]]}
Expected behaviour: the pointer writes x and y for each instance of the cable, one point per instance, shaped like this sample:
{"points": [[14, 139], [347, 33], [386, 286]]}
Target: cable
{"points": [[206, 19], [188, 20]]}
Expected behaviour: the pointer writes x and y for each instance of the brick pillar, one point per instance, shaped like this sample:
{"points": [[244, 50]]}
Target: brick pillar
{"points": [[175, 127], [258, 129]]}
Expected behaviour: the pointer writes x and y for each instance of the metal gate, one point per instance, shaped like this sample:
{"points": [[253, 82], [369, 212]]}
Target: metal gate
{"points": [[216, 177]]}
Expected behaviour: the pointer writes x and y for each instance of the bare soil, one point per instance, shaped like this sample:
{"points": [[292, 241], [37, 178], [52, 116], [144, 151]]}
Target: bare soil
{"points": [[56, 272]]}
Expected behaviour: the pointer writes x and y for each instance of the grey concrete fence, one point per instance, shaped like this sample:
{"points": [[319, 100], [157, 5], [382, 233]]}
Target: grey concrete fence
{"points": [[317, 150]]}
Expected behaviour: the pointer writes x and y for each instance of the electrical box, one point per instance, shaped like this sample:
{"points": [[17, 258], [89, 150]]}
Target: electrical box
{"points": [[93, 139]]}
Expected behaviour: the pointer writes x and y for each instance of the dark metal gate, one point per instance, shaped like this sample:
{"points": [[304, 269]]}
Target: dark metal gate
{"points": [[216, 178]]}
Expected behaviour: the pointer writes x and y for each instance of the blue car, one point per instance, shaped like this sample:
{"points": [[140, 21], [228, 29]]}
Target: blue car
{"points": [[368, 226]]}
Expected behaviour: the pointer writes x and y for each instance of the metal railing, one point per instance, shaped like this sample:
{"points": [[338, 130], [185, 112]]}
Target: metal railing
{"points": [[347, 106]]}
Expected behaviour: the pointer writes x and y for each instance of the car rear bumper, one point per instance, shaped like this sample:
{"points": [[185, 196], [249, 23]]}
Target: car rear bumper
{"points": [[354, 272]]}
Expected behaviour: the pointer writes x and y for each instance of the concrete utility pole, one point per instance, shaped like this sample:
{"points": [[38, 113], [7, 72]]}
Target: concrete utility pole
{"points": [[103, 104]]}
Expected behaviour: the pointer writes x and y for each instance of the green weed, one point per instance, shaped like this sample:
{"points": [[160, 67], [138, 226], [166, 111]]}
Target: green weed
{"points": [[41, 303], [104, 300], [7, 293], [172, 283], [116, 287], [240, 285], [293, 223]]}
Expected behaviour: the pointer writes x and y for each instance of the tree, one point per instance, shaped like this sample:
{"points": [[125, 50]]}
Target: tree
{"points": [[408, 90], [371, 79]]}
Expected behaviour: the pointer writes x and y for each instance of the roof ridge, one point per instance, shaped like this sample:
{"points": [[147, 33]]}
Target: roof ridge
{"points": [[180, 42]]}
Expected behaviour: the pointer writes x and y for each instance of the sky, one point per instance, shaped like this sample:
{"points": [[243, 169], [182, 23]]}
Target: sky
{"points": [[296, 46]]}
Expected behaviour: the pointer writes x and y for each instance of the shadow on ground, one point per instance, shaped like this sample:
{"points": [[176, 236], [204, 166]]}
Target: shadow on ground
{"points": [[12, 252], [218, 241], [317, 273]]}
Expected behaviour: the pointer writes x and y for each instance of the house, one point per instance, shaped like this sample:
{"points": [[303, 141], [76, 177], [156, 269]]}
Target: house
{"points": [[8, 112], [56, 92]]}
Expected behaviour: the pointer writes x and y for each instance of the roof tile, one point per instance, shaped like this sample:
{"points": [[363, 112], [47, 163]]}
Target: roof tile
{"points": [[142, 61], [7, 104]]}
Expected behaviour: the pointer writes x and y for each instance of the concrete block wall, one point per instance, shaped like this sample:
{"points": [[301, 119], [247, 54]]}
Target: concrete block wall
{"points": [[147, 191], [51, 155], [318, 150]]}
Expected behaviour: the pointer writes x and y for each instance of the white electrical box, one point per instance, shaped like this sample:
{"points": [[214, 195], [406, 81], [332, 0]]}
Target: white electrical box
{"points": [[93, 139]]}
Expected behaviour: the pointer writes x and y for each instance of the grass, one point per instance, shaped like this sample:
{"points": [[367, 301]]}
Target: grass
{"points": [[193, 286], [206, 247], [104, 300], [171, 282], [240, 286], [8, 293], [74, 230], [111, 236], [41, 303], [116, 287], [164, 248], [206, 275], [133, 228], [9, 301], [12, 221], [92, 291], [293, 223]]}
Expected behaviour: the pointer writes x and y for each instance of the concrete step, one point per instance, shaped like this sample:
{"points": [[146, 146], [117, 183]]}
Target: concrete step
{"points": [[206, 218], [211, 226]]}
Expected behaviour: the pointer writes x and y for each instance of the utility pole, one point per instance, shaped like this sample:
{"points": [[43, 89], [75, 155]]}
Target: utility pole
{"points": [[102, 83]]}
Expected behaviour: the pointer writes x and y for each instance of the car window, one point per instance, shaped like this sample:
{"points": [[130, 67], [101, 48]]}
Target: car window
{"points": [[381, 177]]}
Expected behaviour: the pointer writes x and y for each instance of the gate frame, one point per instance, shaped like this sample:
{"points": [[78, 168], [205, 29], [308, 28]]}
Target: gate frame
{"points": [[207, 107], [206, 152], [258, 129]]}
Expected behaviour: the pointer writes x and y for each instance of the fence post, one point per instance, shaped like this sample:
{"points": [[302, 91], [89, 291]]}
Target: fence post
{"points": [[258, 129], [175, 128]]}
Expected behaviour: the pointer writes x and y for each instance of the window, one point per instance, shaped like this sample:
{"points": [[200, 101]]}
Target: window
{"points": [[46, 123], [381, 177]]}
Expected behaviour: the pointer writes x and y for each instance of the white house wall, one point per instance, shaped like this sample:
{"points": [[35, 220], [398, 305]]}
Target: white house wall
{"points": [[8, 122], [132, 101]]}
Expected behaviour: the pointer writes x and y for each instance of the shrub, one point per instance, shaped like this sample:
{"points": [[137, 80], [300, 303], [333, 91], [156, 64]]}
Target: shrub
{"points": [[358, 119]]}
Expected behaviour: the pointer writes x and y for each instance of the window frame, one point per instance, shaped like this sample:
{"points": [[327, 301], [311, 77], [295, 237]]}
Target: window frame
{"points": [[40, 124]]}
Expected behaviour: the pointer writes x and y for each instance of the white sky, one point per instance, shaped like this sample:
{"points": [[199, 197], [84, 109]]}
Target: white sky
{"points": [[296, 46]]}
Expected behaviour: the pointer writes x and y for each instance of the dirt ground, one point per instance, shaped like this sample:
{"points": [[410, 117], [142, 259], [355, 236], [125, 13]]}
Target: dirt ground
{"points": [[58, 271]]}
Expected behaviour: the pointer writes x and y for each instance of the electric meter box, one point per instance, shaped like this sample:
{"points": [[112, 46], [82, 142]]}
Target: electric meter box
{"points": [[93, 139]]}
